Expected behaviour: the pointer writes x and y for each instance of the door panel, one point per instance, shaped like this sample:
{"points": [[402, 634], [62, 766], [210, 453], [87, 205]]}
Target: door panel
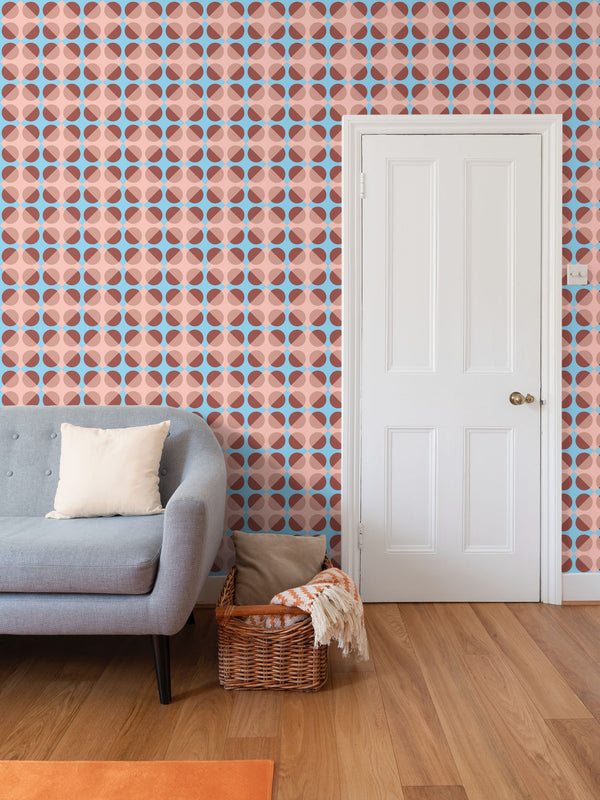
{"points": [[450, 469], [489, 266], [410, 490], [410, 244], [489, 490]]}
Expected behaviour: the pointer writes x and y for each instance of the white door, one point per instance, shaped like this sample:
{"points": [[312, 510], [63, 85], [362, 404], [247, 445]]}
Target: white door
{"points": [[450, 471]]}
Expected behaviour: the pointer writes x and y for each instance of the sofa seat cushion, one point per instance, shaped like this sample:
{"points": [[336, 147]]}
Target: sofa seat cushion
{"points": [[87, 556]]}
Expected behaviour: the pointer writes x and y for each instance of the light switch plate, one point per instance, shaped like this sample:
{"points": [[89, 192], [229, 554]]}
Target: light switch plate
{"points": [[577, 275]]}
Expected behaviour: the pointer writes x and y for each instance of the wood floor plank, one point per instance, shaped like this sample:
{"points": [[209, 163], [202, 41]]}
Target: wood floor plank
{"points": [[583, 624], [580, 739], [19, 688], [204, 712], [146, 733], [468, 634], [255, 748], [112, 700], [339, 663], [435, 793], [146, 730], [517, 722], [552, 695], [255, 713], [484, 772], [484, 676], [308, 760], [200, 731], [87, 656], [20, 692], [554, 638], [53, 710], [523, 735], [422, 752], [364, 745], [252, 747], [16, 653]]}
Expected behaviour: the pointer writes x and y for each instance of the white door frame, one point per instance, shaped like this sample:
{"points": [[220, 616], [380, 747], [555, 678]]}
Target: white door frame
{"points": [[549, 127]]}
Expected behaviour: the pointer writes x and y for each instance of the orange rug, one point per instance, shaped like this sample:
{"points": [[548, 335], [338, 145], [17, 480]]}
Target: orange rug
{"points": [[136, 780]]}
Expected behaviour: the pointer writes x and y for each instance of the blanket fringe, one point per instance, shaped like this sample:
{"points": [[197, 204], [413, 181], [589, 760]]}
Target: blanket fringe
{"points": [[336, 615]]}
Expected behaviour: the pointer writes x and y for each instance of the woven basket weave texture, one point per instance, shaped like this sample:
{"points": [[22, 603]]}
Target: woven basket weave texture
{"points": [[251, 657]]}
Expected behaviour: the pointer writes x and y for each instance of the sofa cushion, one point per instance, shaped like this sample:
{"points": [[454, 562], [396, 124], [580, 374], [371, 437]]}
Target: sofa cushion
{"points": [[88, 556], [30, 447], [109, 471]]}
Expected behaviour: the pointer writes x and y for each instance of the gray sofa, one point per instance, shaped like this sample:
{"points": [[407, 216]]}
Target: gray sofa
{"points": [[110, 575]]}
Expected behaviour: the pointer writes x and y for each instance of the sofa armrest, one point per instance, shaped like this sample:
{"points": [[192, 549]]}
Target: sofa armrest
{"points": [[193, 529]]}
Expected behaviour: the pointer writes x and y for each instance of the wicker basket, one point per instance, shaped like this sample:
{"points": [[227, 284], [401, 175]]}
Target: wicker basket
{"points": [[256, 658]]}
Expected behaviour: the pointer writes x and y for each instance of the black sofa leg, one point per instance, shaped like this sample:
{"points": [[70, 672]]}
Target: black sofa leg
{"points": [[162, 665], [191, 620]]}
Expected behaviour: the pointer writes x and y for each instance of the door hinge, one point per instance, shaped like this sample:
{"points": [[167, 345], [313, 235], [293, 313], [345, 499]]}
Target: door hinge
{"points": [[362, 186], [361, 534]]}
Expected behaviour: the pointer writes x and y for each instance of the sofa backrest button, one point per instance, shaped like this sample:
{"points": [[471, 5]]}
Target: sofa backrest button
{"points": [[53, 435], [48, 472], [15, 436], [9, 473], [163, 471]]}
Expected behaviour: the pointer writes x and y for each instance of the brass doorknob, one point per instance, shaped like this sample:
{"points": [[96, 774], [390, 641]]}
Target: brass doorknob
{"points": [[517, 399]]}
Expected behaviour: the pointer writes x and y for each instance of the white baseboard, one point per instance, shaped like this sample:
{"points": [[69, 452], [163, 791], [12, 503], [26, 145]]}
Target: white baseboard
{"points": [[583, 586], [210, 590], [576, 586]]}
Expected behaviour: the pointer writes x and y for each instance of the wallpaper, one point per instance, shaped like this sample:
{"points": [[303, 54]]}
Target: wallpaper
{"points": [[171, 213]]}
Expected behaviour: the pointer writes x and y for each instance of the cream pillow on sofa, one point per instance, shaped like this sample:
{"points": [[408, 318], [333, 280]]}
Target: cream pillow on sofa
{"points": [[106, 472]]}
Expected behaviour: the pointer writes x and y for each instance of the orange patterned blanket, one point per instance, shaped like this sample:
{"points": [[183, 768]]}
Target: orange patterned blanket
{"points": [[332, 600]]}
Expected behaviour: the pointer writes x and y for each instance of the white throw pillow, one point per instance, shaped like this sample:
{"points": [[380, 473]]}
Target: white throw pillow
{"points": [[109, 471]]}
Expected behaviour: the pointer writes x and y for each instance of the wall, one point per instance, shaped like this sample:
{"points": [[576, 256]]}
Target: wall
{"points": [[171, 213]]}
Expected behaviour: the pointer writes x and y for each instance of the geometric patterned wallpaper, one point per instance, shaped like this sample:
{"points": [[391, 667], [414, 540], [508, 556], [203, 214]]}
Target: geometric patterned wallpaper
{"points": [[170, 177]]}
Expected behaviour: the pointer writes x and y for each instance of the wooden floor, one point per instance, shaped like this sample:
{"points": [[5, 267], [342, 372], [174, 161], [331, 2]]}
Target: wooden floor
{"points": [[459, 702]]}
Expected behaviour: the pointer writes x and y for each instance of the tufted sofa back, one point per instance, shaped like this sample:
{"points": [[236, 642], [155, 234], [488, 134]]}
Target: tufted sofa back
{"points": [[30, 448]]}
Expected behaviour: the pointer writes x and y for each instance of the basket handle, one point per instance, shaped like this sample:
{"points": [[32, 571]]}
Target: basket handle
{"points": [[224, 612]]}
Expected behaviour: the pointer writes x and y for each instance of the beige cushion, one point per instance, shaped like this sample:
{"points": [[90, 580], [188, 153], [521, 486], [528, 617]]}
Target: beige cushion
{"points": [[268, 563], [104, 472]]}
